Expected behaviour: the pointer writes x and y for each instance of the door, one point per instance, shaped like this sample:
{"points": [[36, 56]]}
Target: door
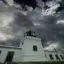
{"points": [[9, 56]]}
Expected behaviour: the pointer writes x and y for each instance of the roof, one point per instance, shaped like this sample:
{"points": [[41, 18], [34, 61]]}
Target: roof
{"points": [[12, 47], [52, 51]]}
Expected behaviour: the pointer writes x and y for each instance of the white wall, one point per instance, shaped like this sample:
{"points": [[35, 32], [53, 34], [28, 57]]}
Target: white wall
{"points": [[26, 52], [16, 57], [29, 54], [53, 55]]}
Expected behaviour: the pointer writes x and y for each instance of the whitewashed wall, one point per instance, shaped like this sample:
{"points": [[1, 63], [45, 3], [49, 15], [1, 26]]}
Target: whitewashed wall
{"points": [[28, 53], [16, 57], [47, 53], [25, 52]]}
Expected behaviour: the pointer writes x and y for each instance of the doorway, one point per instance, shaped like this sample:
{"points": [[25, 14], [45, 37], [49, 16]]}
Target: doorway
{"points": [[9, 56]]}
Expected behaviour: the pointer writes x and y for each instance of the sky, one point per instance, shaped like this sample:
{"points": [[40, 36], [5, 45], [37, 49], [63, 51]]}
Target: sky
{"points": [[45, 17]]}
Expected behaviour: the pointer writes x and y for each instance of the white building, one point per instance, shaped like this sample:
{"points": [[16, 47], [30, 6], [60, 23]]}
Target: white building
{"points": [[30, 50]]}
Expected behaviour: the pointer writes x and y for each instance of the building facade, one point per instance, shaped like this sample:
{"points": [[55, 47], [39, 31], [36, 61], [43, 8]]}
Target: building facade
{"points": [[30, 50]]}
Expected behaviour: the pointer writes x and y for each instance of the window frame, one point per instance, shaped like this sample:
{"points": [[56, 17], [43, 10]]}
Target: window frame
{"points": [[57, 57], [62, 57], [0, 52], [35, 48], [51, 56]]}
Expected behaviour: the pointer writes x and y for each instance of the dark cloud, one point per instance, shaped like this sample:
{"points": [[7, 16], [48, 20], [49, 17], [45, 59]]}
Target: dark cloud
{"points": [[61, 6], [13, 24], [49, 20], [22, 20], [27, 2], [45, 25], [50, 30]]}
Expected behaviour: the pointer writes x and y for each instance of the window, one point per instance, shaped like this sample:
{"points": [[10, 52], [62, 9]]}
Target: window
{"points": [[0, 52], [22, 43], [61, 57], [10, 56], [51, 57], [57, 57], [35, 48]]}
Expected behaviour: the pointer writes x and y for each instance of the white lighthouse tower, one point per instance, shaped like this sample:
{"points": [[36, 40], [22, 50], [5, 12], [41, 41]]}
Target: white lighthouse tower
{"points": [[32, 48]]}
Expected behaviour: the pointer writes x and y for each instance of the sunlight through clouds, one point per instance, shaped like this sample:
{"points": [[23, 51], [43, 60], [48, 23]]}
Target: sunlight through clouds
{"points": [[60, 22], [6, 19], [52, 46], [4, 37], [50, 11]]}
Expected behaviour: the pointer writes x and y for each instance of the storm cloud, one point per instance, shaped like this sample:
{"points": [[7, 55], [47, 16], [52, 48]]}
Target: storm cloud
{"points": [[48, 23], [13, 25]]}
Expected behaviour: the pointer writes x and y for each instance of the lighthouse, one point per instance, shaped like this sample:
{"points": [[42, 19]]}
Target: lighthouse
{"points": [[30, 51]]}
